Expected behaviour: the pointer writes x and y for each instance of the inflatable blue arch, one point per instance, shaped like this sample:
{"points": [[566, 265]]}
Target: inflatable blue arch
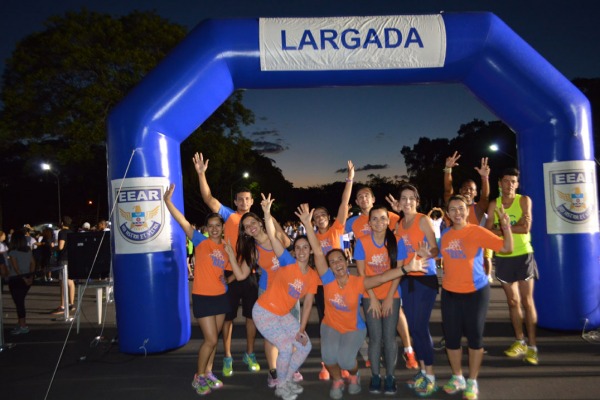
{"points": [[551, 118]]}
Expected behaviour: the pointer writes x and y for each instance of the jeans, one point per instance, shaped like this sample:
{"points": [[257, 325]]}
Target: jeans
{"points": [[382, 331]]}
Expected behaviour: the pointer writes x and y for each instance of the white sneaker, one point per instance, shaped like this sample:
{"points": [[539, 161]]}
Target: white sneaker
{"points": [[285, 393], [294, 387]]}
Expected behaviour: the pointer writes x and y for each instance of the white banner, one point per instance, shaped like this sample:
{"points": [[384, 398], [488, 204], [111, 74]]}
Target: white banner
{"points": [[140, 216], [571, 203], [350, 43]]}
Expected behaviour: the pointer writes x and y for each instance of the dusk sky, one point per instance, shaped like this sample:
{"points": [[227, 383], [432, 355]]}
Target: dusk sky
{"points": [[313, 132]]}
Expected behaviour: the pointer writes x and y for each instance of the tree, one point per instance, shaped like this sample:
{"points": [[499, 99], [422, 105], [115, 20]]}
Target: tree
{"points": [[426, 159], [58, 88]]}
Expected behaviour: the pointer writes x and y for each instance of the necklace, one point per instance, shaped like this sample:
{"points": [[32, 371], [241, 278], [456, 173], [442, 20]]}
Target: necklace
{"points": [[342, 284]]}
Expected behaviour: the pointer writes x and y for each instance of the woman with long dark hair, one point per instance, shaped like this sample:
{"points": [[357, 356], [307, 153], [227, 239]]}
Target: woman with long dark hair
{"points": [[376, 253], [418, 290]]}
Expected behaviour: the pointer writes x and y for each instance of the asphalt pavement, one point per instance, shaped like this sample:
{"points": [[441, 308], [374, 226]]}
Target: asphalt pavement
{"points": [[53, 361]]}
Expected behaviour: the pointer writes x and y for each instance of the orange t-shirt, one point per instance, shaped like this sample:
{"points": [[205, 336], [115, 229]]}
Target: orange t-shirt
{"points": [[331, 239], [210, 263], [377, 261], [411, 238], [462, 252], [288, 286], [231, 228], [342, 305]]}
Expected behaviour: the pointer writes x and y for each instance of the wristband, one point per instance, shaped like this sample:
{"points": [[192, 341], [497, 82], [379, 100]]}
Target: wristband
{"points": [[403, 270], [348, 180], [447, 170]]}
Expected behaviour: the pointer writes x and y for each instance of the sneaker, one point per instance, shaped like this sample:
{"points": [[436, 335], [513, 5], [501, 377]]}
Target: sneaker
{"points": [[415, 381], [425, 387], [294, 387], [297, 377], [389, 387], [531, 356], [375, 385], [250, 361], [345, 373], [324, 374], [441, 345], [471, 391], [285, 393], [354, 384], [58, 310], [19, 330], [213, 381], [455, 384], [271, 382], [516, 349], [411, 362], [227, 366], [337, 389], [201, 385]]}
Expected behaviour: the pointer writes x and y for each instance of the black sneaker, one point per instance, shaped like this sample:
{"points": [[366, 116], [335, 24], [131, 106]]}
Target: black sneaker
{"points": [[389, 387], [375, 385]]}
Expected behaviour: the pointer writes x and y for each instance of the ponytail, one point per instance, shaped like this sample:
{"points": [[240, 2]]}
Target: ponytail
{"points": [[392, 247]]}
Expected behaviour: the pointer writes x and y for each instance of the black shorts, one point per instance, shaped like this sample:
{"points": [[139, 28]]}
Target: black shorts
{"points": [[206, 306], [247, 292], [517, 268]]}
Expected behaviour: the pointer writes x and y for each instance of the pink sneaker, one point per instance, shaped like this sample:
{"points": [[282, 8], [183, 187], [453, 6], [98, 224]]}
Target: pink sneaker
{"points": [[297, 377]]}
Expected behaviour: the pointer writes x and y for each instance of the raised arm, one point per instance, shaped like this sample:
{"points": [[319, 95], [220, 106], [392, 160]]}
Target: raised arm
{"points": [[342, 214], [266, 204], [201, 166], [177, 215], [451, 162], [426, 227], [304, 213], [484, 196]]}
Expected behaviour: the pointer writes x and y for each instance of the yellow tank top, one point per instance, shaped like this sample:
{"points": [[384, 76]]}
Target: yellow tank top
{"points": [[521, 241]]}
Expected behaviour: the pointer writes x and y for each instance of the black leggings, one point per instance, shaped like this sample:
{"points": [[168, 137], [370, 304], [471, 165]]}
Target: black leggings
{"points": [[463, 314], [18, 290]]}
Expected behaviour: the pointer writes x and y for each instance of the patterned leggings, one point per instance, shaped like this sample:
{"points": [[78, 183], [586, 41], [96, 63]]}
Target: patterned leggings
{"points": [[281, 331]]}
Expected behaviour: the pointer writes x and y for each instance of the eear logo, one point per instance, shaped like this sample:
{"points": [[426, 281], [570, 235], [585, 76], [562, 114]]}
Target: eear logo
{"points": [[570, 199], [141, 215]]}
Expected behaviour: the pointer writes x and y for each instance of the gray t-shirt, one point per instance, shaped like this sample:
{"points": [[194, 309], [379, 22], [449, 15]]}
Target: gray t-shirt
{"points": [[23, 259]]}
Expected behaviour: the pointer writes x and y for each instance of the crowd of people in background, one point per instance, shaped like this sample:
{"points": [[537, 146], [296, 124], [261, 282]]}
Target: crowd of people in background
{"points": [[29, 254]]}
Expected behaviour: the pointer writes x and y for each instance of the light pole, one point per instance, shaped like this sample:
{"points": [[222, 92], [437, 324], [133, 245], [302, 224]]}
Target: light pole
{"points": [[48, 167], [245, 175], [495, 148]]}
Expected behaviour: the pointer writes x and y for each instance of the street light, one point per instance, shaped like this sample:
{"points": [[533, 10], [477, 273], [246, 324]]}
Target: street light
{"points": [[495, 148], [245, 175], [48, 167]]}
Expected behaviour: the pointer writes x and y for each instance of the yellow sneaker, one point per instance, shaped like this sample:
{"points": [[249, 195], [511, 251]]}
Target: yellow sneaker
{"points": [[531, 356], [517, 349]]}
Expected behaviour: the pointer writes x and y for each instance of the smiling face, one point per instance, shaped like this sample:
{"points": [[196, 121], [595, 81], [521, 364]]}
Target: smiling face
{"points": [[214, 228], [379, 220], [252, 226], [321, 219], [458, 212], [302, 250], [468, 190], [409, 200], [337, 263]]}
